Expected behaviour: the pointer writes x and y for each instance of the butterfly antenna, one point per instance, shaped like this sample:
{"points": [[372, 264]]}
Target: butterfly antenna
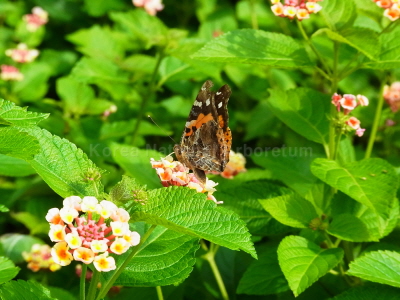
{"points": [[161, 129]]}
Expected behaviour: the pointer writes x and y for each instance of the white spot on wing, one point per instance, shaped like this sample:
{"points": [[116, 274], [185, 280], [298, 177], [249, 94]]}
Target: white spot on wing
{"points": [[218, 93], [220, 105], [208, 102], [197, 103]]}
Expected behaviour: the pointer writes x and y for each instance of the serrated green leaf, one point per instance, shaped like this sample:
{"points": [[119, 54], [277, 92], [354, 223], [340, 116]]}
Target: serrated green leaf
{"points": [[390, 52], [372, 182], [349, 228], [264, 276], [338, 14], [303, 262], [14, 167], [149, 29], [242, 198], [304, 111], [361, 39], [378, 266], [166, 258], [186, 211], [136, 162], [63, 166], [24, 290], [252, 46], [15, 142], [290, 209], [7, 270], [19, 116], [370, 291], [14, 244]]}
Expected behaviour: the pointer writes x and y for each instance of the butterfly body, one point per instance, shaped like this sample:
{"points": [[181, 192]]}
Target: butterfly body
{"points": [[206, 139]]}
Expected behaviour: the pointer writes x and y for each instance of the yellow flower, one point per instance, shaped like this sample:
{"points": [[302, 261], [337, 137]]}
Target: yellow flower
{"points": [[84, 255], [60, 254], [104, 263]]}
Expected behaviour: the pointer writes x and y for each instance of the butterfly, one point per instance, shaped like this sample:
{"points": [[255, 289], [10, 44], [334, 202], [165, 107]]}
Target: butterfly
{"points": [[207, 139]]}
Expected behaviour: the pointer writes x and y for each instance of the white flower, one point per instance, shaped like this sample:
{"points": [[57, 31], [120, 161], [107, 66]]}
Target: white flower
{"points": [[73, 202], [133, 238], [73, 240], [68, 214], [119, 246], [98, 246], [84, 255], [119, 228], [57, 232], [104, 263], [106, 208], [89, 204], [120, 215], [53, 215]]}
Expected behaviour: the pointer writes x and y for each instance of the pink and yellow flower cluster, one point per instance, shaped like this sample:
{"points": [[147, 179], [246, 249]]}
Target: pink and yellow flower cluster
{"points": [[391, 94], [40, 258], [88, 230], [174, 173], [300, 9], [151, 6], [349, 102], [235, 165], [36, 19], [392, 8]]}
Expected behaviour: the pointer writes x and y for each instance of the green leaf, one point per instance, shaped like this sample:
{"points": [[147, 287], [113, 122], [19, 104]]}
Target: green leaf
{"points": [[3, 208], [33, 223], [372, 182], [361, 39], [166, 258], [370, 291], [14, 244], [378, 266], [7, 270], [290, 209], [349, 228], [136, 162], [64, 167], [252, 46], [264, 276], [186, 211], [17, 143], [242, 198], [303, 262], [15, 115], [338, 14], [390, 52], [148, 29], [99, 8], [24, 290], [14, 167], [304, 111]]}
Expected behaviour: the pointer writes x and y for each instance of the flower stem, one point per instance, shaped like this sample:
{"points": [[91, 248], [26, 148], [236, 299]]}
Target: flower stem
{"points": [[93, 285], [82, 282], [254, 21], [147, 97], [119, 270], [210, 257], [159, 293], [377, 119]]}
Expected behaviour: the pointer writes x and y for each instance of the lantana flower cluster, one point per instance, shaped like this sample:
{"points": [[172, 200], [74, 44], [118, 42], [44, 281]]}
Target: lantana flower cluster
{"points": [[36, 19], [235, 165], [87, 230], [151, 6], [300, 9], [39, 257], [392, 8], [391, 94], [172, 172], [349, 102]]}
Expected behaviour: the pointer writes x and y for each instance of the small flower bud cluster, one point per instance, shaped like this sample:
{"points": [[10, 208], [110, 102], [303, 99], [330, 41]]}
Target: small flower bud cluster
{"points": [[40, 258], [38, 18], [235, 165], [392, 8], [349, 102], [151, 6], [300, 9], [79, 236], [174, 173], [391, 94]]}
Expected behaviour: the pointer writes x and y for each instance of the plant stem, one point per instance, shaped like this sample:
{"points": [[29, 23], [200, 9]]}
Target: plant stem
{"points": [[334, 86], [147, 97], [159, 293], [254, 21], [377, 119], [93, 285], [307, 39], [119, 270], [82, 286], [210, 257]]}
